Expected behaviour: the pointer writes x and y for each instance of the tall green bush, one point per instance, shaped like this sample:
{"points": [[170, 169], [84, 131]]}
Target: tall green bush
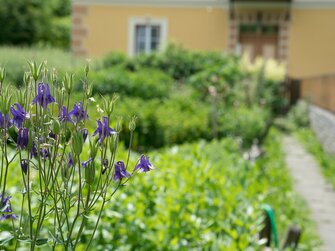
{"points": [[24, 22], [28, 22]]}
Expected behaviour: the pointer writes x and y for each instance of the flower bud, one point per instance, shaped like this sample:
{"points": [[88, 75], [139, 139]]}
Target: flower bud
{"points": [[22, 138], [89, 90], [20, 96], [26, 78], [77, 142], [5, 101], [54, 76], [132, 123], [24, 165], [2, 74], [90, 173], [84, 132], [35, 71], [70, 160], [68, 82], [87, 66], [119, 123]]}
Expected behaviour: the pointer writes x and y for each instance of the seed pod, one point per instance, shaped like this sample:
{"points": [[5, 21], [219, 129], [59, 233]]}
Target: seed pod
{"points": [[90, 173], [77, 142], [55, 126]]}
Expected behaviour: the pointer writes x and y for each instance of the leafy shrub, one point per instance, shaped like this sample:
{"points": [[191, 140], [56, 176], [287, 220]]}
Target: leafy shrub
{"points": [[25, 22], [248, 123], [114, 59], [179, 63], [147, 83], [226, 79], [59, 34], [298, 116], [176, 61], [165, 122]]}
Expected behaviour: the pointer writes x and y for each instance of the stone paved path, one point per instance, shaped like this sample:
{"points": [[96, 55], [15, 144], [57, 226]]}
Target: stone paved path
{"points": [[310, 183]]}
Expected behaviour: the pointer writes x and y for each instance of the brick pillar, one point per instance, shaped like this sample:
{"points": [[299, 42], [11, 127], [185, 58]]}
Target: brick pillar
{"points": [[79, 30]]}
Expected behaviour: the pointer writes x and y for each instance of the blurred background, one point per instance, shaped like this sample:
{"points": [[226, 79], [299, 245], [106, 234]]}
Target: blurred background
{"points": [[216, 86]]}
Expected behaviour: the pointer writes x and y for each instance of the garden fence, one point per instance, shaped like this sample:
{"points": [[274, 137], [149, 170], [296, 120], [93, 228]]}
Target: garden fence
{"points": [[319, 91]]}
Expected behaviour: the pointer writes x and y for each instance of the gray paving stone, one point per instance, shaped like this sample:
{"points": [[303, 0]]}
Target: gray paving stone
{"points": [[310, 183]]}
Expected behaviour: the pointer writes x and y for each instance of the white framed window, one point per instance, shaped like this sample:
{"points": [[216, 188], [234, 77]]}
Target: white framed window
{"points": [[146, 35]]}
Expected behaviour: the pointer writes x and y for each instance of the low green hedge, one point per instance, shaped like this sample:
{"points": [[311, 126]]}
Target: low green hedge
{"points": [[164, 122], [182, 119], [147, 83]]}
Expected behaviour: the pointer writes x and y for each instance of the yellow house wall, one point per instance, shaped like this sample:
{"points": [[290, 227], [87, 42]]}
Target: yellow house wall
{"points": [[194, 28], [311, 43]]}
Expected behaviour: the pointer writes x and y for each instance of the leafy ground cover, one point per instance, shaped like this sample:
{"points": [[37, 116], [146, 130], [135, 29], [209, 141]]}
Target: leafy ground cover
{"points": [[205, 196]]}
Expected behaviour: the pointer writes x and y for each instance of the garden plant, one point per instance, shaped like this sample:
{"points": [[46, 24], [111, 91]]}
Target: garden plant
{"points": [[68, 171]]}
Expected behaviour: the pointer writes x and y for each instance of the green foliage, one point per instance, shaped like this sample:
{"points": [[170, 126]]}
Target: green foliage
{"points": [[248, 123], [147, 83], [27, 22], [298, 116], [59, 34], [204, 196], [23, 22], [225, 78], [165, 122], [114, 59], [61, 8], [312, 145], [176, 61]]}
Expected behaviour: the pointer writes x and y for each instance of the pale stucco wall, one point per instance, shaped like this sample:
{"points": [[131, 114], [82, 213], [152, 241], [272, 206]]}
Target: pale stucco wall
{"points": [[196, 28], [311, 42]]}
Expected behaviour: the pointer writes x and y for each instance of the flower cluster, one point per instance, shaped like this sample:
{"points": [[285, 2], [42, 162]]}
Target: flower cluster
{"points": [[66, 167]]}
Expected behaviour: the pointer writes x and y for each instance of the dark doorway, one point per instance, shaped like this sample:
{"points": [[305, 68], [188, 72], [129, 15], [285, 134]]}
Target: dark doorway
{"points": [[259, 40]]}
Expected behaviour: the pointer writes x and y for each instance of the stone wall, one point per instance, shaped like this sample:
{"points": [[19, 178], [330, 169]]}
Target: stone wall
{"points": [[323, 124]]}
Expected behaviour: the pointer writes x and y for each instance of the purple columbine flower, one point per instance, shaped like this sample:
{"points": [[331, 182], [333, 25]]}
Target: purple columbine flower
{"points": [[45, 153], [18, 115], [78, 112], [43, 97], [64, 115], [120, 171], [103, 129], [69, 160], [6, 209], [52, 135], [22, 138], [144, 165], [24, 165], [85, 163], [4, 121], [33, 151], [84, 131]]}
